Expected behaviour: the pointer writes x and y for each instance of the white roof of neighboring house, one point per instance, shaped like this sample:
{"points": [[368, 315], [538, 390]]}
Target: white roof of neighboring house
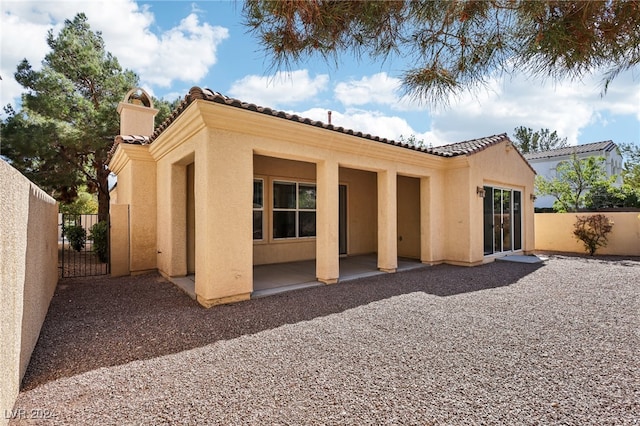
{"points": [[594, 147]]}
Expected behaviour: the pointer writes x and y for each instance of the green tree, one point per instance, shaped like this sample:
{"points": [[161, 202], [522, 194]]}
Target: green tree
{"points": [[631, 171], [457, 44], [413, 141], [625, 195], [62, 136], [573, 181], [605, 195], [85, 203], [526, 140], [165, 108]]}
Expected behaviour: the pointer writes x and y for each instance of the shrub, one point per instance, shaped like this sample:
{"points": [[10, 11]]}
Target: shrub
{"points": [[76, 235], [85, 203], [592, 231], [100, 236]]}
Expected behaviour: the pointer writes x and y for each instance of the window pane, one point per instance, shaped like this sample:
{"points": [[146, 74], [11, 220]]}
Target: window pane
{"points": [[284, 224], [506, 220], [497, 220], [307, 196], [258, 201], [284, 195], [517, 220], [257, 225], [307, 224], [488, 219]]}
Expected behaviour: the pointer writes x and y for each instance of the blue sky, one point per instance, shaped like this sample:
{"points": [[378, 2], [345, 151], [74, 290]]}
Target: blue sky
{"points": [[174, 45]]}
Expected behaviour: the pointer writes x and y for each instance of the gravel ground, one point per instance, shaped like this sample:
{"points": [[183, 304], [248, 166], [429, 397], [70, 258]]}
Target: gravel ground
{"points": [[503, 343]]}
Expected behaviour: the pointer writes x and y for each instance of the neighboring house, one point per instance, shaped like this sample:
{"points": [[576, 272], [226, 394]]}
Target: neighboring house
{"points": [[545, 162], [224, 185]]}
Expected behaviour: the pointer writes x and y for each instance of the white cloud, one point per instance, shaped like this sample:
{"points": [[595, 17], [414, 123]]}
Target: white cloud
{"points": [[374, 123], [567, 108], [283, 88], [21, 38], [185, 52], [377, 89], [622, 97], [506, 103]]}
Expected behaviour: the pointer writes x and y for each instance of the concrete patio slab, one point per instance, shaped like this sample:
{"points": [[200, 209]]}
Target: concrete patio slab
{"points": [[281, 277], [186, 284], [522, 258]]}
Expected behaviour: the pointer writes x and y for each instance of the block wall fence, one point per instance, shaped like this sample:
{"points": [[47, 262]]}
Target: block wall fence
{"points": [[28, 275], [554, 232]]}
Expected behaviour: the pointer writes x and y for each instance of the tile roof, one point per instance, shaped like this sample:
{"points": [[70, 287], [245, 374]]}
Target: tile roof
{"points": [[570, 150], [451, 150], [468, 147], [133, 139]]}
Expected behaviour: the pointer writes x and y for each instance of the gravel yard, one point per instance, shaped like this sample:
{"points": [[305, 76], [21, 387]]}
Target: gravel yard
{"points": [[504, 343]]}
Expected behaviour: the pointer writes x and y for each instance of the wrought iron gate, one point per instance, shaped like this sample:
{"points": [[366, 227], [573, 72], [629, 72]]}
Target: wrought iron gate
{"points": [[83, 246]]}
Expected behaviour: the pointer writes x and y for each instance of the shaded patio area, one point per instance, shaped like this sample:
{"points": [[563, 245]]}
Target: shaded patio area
{"points": [[281, 277]]}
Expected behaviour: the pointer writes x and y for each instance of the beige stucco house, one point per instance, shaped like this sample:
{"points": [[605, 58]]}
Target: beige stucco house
{"points": [[224, 185]]}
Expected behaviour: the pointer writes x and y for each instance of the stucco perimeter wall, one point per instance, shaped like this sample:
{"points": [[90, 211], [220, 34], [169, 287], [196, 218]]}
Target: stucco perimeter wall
{"points": [[554, 232], [28, 275]]}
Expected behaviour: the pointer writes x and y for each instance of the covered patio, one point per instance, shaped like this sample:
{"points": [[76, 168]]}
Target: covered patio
{"points": [[281, 277]]}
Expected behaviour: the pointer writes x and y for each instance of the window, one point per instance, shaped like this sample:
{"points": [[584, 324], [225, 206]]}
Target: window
{"points": [[258, 208], [294, 210], [502, 220]]}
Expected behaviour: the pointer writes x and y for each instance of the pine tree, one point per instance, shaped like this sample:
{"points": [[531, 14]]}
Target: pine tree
{"points": [[61, 137], [450, 46], [542, 140]]}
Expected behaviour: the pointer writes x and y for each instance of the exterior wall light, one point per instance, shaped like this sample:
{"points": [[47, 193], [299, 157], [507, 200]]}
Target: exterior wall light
{"points": [[480, 191]]}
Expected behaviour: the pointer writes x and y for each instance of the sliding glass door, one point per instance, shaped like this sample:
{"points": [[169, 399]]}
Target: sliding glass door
{"points": [[502, 220]]}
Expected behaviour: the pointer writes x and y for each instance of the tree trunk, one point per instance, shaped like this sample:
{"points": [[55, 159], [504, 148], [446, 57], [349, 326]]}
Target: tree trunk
{"points": [[103, 193]]}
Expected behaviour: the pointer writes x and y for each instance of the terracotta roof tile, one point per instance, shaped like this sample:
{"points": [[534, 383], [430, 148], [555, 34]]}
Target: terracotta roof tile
{"points": [[451, 150], [130, 139], [133, 139], [468, 147]]}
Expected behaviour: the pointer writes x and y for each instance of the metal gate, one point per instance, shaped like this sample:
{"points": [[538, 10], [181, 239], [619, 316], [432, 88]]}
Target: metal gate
{"points": [[83, 246]]}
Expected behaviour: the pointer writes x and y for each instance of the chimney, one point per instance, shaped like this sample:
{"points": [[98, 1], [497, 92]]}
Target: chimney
{"points": [[329, 116], [137, 113]]}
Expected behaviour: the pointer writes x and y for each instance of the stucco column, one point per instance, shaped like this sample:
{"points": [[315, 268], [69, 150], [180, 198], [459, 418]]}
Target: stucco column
{"points": [[119, 239], [176, 264], [223, 215], [387, 221], [136, 171], [327, 248], [426, 233]]}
